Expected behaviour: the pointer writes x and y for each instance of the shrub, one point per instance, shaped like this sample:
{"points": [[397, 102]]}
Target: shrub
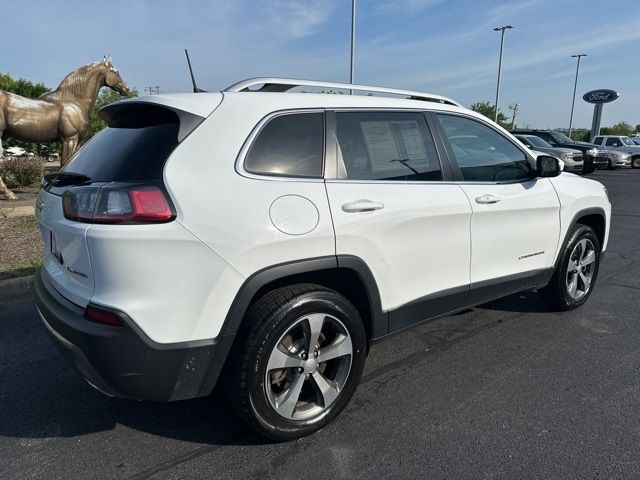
{"points": [[22, 171]]}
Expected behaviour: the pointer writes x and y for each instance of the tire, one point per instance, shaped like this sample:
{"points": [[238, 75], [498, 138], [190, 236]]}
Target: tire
{"points": [[609, 165], [635, 162], [579, 262], [305, 394]]}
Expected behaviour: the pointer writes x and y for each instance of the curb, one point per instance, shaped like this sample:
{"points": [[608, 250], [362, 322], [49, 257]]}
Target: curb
{"points": [[14, 287]]}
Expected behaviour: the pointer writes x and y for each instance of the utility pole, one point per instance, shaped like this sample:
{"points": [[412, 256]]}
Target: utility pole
{"points": [[153, 90], [500, 29], [575, 85], [514, 108], [353, 43]]}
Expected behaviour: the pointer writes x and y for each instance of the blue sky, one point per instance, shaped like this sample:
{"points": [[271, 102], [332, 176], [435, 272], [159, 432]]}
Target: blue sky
{"points": [[445, 47]]}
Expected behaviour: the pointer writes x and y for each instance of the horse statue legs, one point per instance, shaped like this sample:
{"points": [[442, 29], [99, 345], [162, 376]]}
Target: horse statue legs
{"points": [[8, 194]]}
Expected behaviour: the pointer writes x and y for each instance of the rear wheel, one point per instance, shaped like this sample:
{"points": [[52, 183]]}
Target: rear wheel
{"points": [[299, 363], [575, 276], [635, 162]]}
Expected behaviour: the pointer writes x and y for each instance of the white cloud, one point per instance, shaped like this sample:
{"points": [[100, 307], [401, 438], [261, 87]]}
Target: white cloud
{"points": [[295, 18]]}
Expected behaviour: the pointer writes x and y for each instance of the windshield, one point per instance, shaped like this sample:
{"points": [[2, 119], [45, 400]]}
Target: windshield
{"points": [[561, 137], [538, 142], [626, 141]]}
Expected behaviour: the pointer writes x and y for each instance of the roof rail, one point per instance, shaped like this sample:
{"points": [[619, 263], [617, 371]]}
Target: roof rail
{"points": [[272, 84]]}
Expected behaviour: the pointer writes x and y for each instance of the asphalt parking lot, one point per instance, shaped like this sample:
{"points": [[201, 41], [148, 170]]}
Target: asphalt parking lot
{"points": [[506, 390]]}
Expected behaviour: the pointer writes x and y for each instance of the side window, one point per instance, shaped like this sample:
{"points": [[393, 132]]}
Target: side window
{"points": [[483, 154], [549, 139], [612, 142], [598, 141], [289, 145], [387, 146]]}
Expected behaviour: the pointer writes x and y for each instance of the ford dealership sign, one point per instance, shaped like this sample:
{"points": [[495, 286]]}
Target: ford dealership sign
{"points": [[600, 96]]}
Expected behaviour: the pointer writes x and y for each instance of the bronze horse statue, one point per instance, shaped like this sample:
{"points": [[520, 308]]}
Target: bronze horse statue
{"points": [[60, 115]]}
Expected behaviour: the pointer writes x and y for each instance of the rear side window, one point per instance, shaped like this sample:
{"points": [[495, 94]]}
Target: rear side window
{"points": [[598, 141], [134, 149], [387, 146], [483, 154], [289, 145]]}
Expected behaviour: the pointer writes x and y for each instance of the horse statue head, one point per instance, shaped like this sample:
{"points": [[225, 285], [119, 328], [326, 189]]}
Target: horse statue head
{"points": [[112, 78]]}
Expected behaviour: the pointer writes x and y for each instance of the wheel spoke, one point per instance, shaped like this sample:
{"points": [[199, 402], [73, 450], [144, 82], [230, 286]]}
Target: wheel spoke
{"points": [[585, 281], [280, 359], [573, 286], [312, 328], [588, 259], [327, 388], [339, 348], [583, 248], [287, 401]]}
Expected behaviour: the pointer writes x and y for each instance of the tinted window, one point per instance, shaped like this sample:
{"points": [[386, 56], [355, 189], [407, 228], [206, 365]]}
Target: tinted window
{"points": [[612, 142], [598, 141], [539, 142], [387, 146], [561, 138], [126, 154], [483, 154], [524, 140], [289, 145]]}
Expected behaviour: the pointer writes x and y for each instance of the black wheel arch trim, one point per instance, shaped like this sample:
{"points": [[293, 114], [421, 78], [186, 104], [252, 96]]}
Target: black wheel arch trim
{"points": [[255, 282], [576, 219]]}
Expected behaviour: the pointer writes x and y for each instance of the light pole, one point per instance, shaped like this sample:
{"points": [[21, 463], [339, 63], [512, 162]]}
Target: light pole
{"points": [[500, 29], [353, 42], [575, 85]]}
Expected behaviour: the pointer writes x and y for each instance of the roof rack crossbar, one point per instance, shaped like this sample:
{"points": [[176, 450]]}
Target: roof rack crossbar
{"points": [[272, 84]]}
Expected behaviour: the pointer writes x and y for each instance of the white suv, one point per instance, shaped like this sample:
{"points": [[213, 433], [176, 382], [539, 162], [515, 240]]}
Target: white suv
{"points": [[264, 239]]}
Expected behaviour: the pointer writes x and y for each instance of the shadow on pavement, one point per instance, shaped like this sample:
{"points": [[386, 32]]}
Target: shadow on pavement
{"points": [[49, 398]]}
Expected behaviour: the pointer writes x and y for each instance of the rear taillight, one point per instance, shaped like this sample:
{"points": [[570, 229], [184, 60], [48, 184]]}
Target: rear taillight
{"points": [[117, 204], [103, 316]]}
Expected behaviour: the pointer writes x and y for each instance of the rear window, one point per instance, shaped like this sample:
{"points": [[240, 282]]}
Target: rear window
{"points": [[289, 145], [134, 148]]}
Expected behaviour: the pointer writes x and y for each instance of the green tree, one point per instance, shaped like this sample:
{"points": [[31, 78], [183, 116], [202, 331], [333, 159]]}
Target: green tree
{"points": [[489, 110], [105, 97], [637, 129]]}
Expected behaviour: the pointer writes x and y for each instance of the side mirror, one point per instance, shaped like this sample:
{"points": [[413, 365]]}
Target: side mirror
{"points": [[547, 166]]}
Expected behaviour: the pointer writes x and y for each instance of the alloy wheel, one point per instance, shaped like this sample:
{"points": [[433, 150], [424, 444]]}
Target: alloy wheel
{"points": [[309, 366], [580, 269]]}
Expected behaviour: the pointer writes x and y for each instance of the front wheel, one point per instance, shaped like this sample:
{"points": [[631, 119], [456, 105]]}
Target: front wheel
{"points": [[299, 362], [635, 162], [575, 275]]}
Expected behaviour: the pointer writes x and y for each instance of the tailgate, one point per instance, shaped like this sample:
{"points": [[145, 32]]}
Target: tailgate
{"points": [[66, 262]]}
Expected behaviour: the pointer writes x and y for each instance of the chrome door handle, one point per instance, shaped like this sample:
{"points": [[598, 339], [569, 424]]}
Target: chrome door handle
{"points": [[487, 199], [361, 206]]}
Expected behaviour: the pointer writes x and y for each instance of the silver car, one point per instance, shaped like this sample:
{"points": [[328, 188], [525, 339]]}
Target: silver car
{"points": [[571, 157], [621, 144]]}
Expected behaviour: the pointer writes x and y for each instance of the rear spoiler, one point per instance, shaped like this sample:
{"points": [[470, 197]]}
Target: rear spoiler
{"points": [[137, 114]]}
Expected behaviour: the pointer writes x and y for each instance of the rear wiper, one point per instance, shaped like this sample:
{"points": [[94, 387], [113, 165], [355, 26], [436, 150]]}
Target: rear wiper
{"points": [[64, 179]]}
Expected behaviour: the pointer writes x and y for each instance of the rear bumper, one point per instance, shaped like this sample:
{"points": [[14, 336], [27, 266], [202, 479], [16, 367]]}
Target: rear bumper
{"points": [[122, 361]]}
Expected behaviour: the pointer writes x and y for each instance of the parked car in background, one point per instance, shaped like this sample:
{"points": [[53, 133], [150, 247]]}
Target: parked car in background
{"points": [[635, 140], [571, 157], [592, 155], [622, 144]]}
